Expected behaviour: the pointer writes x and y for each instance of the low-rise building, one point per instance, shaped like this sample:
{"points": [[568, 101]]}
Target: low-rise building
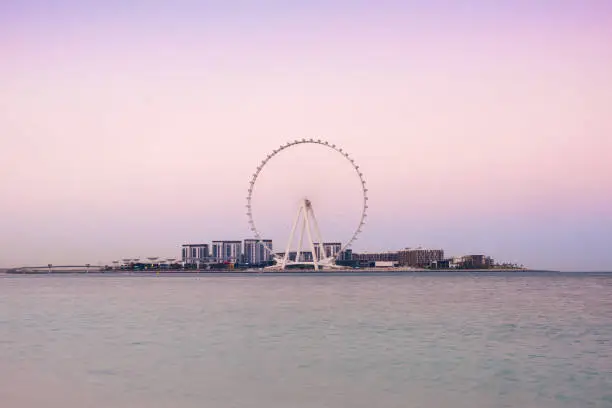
{"points": [[390, 256], [385, 264], [474, 262], [346, 255], [441, 264], [419, 257]]}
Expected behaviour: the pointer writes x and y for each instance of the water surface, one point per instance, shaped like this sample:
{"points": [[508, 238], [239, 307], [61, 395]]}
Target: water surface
{"points": [[412, 340]]}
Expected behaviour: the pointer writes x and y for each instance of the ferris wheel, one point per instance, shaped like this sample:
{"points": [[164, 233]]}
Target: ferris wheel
{"points": [[305, 219]]}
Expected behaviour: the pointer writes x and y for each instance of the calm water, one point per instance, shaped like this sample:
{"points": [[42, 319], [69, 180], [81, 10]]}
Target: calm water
{"points": [[306, 341]]}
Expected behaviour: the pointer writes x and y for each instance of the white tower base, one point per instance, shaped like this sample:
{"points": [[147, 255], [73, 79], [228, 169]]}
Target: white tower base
{"points": [[306, 218]]}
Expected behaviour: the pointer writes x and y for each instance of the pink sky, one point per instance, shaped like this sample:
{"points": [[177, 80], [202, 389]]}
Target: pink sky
{"points": [[128, 130]]}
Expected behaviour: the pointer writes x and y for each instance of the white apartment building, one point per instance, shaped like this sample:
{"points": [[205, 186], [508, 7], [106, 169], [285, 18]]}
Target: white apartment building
{"points": [[195, 253], [255, 252], [226, 251]]}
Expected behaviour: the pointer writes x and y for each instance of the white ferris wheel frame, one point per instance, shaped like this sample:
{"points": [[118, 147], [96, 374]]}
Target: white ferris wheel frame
{"points": [[287, 145]]}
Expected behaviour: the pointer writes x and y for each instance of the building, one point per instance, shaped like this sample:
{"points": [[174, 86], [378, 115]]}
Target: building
{"points": [[385, 264], [419, 257], [331, 249], [305, 256], [475, 262], [227, 251], [369, 259], [443, 264], [255, 252], [195, 253], [347, 255], [456, 262], [376, 257], [346, 259], [317, 250]]}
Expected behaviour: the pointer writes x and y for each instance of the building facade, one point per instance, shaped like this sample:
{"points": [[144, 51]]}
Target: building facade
{"points": [[255, 252], [226, 251], [305, 256], [331, 249], [347, 255], [376, 256], [195, 253], [474, 262], [419, 257]]}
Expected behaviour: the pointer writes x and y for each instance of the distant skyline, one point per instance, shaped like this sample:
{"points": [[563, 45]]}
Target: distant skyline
{"points": [[128, 128]]}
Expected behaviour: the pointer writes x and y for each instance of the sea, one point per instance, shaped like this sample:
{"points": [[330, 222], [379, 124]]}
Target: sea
{"points": [[443, 340]]}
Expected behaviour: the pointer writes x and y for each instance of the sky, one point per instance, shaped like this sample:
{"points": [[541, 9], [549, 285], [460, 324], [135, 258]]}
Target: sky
{"points": [[128, 128]]}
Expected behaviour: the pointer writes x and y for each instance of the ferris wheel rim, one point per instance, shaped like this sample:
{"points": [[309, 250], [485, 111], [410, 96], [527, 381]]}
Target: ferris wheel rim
{"points": [[283, 147]]}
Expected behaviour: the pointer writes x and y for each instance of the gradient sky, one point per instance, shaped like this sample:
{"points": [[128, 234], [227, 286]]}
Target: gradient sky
{"points": [[130, 127]]}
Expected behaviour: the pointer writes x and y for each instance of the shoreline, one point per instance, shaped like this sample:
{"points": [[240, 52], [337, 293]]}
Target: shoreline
{"points": [[339, 272]]}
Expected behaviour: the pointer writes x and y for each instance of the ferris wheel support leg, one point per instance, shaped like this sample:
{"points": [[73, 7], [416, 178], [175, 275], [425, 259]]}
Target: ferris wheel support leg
{"points": [[286, 257], [322, 254], [299, 248], [312, 247]]}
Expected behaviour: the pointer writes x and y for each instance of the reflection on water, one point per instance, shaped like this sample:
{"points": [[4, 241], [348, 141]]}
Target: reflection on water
{"points": [[310, 341]]}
